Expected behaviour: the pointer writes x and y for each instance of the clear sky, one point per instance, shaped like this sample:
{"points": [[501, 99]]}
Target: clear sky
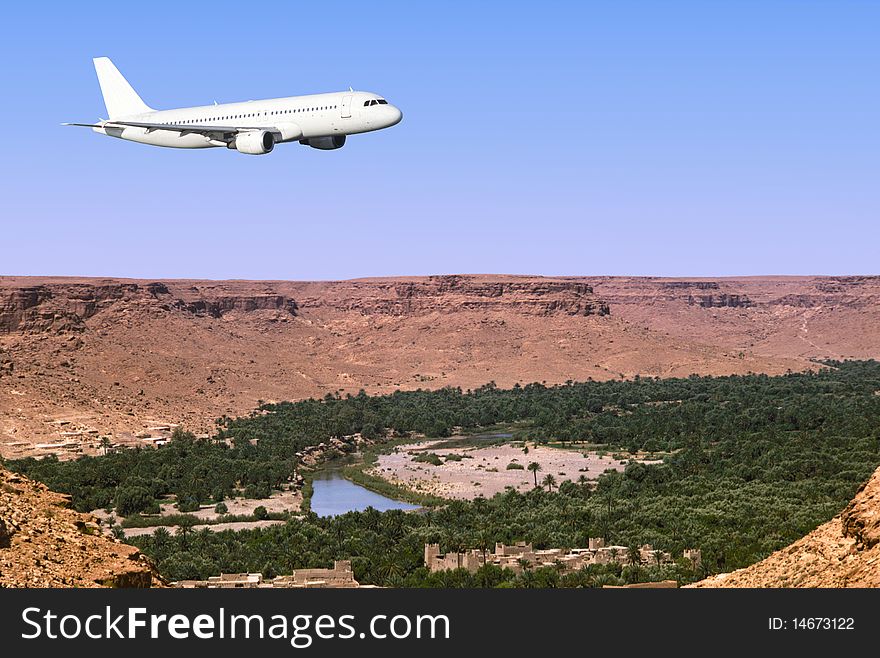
{"points": [[617, 137]]}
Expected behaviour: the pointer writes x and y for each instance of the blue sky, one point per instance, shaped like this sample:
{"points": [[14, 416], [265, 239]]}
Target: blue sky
{"points": [[620, 137]]}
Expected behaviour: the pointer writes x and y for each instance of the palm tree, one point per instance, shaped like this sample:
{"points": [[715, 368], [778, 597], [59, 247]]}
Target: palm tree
{"points": [[634, 555], [483, 543], [549, 481], [602, 579], [390, 569], [184, 529], [534, 467], [161, 536]]}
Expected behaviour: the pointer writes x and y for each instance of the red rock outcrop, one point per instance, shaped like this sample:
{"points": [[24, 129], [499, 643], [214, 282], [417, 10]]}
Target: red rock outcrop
{"points": [[45, 544]]}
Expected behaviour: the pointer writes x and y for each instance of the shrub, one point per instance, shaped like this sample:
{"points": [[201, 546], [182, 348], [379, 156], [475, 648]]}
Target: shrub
{"points": [[188, 505], [131, 500], [258, 490], [429, 458], [513, 466]]}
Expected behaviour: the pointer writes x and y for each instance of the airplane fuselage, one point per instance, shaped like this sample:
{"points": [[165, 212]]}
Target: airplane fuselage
{"points": [[289, 119]]}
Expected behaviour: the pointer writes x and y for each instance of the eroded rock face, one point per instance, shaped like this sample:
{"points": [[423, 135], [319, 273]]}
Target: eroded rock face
{"points": [[719, 301], [5, 534], [45, 544], [454, 294], [60, 307], [860, 520]]}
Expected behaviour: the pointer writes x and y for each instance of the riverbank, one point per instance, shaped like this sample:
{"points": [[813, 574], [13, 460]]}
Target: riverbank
{"points": [[335, 495], [354, 468]]}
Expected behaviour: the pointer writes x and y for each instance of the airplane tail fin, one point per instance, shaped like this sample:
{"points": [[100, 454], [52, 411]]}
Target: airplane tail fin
{"points": [[121, 100]]}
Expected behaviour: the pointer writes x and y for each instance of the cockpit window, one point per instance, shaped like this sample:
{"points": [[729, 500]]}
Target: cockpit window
{"points": [[382, 101]]}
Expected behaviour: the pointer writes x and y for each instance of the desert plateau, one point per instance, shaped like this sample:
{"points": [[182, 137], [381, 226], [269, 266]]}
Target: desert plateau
{"points": [[117, 359]]}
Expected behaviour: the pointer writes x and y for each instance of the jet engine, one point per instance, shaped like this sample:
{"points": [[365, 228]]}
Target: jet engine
{"points": [[328, 143], [255, 142]]}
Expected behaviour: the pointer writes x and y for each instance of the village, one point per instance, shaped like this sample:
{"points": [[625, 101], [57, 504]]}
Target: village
{"points": [[521, 556], [340, 576], [516, 557], [76, 440]]}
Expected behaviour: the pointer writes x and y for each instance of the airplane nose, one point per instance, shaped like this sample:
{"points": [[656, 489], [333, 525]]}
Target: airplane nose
{"points": [[396, 115]]}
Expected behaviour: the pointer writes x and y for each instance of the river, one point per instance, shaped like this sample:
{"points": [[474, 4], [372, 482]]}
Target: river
{"points": [[334, 495]]}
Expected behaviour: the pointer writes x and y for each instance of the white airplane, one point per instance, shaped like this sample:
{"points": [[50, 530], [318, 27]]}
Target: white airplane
{"points": [[321, 121]]}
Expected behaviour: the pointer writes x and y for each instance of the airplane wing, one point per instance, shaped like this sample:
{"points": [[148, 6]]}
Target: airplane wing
{"points": [[219, 133]]}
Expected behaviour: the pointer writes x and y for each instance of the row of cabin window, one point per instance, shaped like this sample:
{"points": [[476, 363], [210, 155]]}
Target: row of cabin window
{"points": [[244, 116], [381, 101]]}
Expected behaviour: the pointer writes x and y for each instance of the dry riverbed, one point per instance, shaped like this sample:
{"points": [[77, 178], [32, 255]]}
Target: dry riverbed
{"points": [[483, 471]]}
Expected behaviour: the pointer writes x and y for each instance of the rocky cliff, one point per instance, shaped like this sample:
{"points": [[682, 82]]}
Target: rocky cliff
{"points": [[64, 306], [40, 308], [45, 544], [453, 294], [845, 552], [58, 306], [764, 292]]}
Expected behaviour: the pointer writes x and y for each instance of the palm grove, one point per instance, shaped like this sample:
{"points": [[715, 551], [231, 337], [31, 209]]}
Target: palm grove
{"points": [[749, 464]]}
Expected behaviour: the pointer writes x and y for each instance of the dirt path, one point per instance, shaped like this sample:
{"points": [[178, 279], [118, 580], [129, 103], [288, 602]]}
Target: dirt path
{"points": [[804, 333]]}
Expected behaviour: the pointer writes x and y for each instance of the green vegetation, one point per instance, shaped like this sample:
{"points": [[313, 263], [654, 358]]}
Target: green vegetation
{"points": [[481, 440], [513, 466], [534, 467], [750, 464], [138, 521], [194, 471], [436, 460], [358, 473], [170, 520], [428, 458]]}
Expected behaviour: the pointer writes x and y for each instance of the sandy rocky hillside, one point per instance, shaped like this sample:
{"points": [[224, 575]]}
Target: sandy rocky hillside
{"points": [[845, 552], [85, 359], [44, 544]]}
